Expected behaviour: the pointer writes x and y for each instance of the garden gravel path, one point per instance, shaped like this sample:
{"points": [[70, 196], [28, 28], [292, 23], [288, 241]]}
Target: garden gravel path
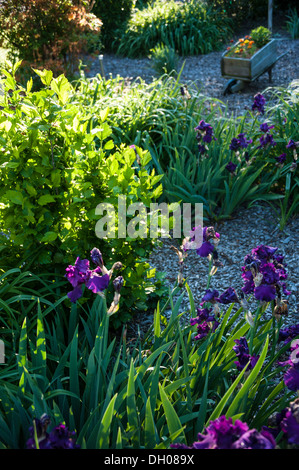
{"points": [[250, 227], [204, 72]]}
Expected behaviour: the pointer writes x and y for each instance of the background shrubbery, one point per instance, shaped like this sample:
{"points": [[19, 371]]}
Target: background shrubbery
{"points": [[49, 33], [189, 28], [114, 14]]}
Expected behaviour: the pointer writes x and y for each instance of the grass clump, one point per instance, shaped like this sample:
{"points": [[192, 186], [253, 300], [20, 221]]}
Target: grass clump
{"points": [[189, 28]]}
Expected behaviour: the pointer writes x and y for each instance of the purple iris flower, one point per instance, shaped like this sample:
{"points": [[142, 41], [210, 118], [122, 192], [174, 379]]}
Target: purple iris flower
{"points": [[282, 158], [248, 287], [264, 273], [203, 329], [202, 315], [231, 167], [264, 252], [59, 438], [239, 142], [291, 379], [270, 273], [76, 274], [201, 148], [292, 144], [234, 145], [242, 352], [205, 250], [203, 126], [243, 143], [205, 322], [266, 140], [290, 423], [265, 128], [253, 439], [259, 103], [241, 346], [210, 296], [208, 238], [288, 333], [204, 133], [97, 283], [228, 296], [287, 421], [222, 433], [265, 293], [80, 274]]}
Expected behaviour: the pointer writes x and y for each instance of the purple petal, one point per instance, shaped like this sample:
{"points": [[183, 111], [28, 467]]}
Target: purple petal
{"points": [[291, 379], [265, 292], [75, 294], [97, 283], [205, 249]]}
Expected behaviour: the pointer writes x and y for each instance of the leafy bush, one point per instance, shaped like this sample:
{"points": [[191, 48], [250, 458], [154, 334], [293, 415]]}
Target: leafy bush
{"points": [[114, 14], [48, 33], [261, 36], [240, 10], [58, 162], [190, 28], [164, 60]]}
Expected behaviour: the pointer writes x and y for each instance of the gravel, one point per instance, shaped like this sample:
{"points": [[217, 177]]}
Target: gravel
{"points": [[238, 236], [250, 227], [203, 72]]}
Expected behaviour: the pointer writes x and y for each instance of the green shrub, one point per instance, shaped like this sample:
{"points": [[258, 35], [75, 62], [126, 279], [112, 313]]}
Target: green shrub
{"points": [[240, 10], [164, 60], [190, 28], [58, 162], [48, 33], [261, 36], [114, 14]]}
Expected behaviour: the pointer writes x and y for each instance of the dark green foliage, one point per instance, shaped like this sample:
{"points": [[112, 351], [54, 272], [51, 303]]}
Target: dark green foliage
{"points": [[65, 363], [164, 60], [239, 10], [114, 14]]}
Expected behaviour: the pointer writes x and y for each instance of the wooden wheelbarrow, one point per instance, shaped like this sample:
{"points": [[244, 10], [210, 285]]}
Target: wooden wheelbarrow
{"points": [[240, 71]]}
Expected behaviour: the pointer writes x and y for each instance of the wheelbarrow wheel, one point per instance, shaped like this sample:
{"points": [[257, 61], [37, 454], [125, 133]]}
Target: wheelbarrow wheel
{"points": [[228, 87], [233, 86]]}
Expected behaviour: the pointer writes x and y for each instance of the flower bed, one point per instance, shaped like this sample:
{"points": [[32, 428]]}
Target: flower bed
{"points": [[227, 365]]}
